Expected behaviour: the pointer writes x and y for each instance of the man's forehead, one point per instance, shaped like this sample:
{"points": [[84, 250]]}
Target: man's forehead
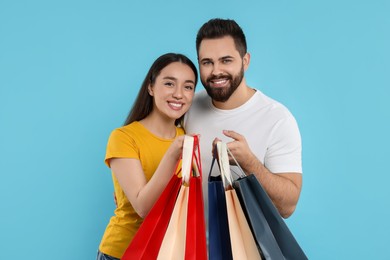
{"points": [[226, 41], [217, 48]]}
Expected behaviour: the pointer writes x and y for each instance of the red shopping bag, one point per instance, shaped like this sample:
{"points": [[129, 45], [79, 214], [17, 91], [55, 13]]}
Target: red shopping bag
{"points": [[185, 237], [196, 247], [146, 242]]}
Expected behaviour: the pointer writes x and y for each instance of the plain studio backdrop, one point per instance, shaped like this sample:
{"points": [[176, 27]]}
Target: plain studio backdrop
{"points": [[70, 71]]}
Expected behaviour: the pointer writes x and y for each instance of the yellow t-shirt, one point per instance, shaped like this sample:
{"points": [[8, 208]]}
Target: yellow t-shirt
{"points": [[130, 141]]}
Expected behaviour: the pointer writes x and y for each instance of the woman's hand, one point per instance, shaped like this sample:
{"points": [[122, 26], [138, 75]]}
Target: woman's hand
{"points": [[176, 148]]}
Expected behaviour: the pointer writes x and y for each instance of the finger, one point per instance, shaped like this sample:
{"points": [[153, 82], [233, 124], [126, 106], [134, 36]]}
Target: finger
{"points": [[216, 140], [231, 145], [214, 149], [232, 134], [180, 140]]}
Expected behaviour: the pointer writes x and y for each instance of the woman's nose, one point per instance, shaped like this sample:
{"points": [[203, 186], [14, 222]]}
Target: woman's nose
{"points": [[178, 93]]}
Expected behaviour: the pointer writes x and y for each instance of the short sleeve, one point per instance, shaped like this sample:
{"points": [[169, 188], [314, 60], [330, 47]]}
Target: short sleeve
{"points": [[120, 145], [284, 153]]}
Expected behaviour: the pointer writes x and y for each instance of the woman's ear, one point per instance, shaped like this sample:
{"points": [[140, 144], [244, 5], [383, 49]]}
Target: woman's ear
{"points": [[150, 90]]}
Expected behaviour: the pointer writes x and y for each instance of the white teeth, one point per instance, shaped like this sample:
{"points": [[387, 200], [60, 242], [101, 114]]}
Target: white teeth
{"points": [[176, 105], [219, 81]]}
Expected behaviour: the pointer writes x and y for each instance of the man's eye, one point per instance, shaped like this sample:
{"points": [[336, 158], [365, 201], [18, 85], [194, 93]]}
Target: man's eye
{"points": [[205, 63], [226, 61]]}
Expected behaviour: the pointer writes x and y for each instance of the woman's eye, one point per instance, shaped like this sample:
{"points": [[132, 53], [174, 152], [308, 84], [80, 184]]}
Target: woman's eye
{"points": [[169, 84], [189, 87]]}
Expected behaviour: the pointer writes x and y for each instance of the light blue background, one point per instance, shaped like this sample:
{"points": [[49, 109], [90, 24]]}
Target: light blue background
{"points": [[70, 70]]}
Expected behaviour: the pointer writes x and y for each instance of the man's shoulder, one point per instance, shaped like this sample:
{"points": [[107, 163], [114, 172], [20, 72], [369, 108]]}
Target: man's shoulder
{"points": [[272, 105]]}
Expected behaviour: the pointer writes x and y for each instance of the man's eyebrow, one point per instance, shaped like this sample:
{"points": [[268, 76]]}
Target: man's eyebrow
{"points": [[226, 57], [206, 59], [222, 58]]}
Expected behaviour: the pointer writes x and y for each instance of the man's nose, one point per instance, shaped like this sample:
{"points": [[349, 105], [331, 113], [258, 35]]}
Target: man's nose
{"points": [[216, 69]]}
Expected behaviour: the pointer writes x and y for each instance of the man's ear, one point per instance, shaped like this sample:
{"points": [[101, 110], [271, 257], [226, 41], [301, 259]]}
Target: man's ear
{"points": [[246, 60]]}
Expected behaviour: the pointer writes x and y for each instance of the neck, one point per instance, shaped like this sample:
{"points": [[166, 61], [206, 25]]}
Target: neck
{"points": [[164, 128]]}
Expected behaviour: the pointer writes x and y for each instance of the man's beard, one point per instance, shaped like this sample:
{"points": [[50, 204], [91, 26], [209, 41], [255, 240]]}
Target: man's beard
{"points": [[223, 94]]}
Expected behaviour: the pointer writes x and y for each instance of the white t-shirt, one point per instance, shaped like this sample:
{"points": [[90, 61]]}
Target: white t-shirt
{"points": [[269, 128]]}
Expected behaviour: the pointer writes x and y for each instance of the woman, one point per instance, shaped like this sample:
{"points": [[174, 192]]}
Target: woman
{"points": [[143, 153]]}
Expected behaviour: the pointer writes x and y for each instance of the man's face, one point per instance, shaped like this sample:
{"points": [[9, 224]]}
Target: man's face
{"points": [[221, 67]]}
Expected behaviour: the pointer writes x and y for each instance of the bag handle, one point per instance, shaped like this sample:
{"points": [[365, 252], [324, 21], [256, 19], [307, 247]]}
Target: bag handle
{"points": [[223, 153], [187, 156], [243, 174], [223, 159], [196, 161]]}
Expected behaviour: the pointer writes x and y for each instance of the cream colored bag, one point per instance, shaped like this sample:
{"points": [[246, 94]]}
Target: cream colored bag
{"points": [[174, 243], [241, 238]]}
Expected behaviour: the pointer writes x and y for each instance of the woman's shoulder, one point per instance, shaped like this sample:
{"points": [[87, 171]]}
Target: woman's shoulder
{"points": [[131, 130], [132, 127]]}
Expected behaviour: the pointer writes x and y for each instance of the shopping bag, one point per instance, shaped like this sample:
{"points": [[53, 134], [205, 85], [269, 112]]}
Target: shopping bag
{"points": [[148, 239], [242, 241], [146, 242], [219, 236], [183, 239], [196, 245], [173, 244], [272, 234]]}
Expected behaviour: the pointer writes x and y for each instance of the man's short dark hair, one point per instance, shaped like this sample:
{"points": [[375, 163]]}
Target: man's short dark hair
{"points": [[218, 28]]}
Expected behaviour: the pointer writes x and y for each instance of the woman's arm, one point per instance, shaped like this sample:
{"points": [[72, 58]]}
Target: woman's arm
{"points": [[130, 175]]}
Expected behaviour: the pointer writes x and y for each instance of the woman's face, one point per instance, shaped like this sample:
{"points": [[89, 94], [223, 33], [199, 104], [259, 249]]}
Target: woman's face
{"points": [[173, 90]]}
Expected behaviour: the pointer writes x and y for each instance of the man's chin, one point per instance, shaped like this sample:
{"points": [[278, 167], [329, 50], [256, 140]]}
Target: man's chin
{"points": [[220, 98]]}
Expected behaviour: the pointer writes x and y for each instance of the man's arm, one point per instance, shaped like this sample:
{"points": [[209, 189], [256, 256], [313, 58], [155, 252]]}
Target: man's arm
{"points": [[283, 188]]}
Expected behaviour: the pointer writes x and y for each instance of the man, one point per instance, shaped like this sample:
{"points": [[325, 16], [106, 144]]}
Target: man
{"points": [[260, 132]]}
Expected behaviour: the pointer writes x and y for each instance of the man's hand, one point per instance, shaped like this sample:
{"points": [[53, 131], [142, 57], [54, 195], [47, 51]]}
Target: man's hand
{"points": [[283, 188], [240, 149]]}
